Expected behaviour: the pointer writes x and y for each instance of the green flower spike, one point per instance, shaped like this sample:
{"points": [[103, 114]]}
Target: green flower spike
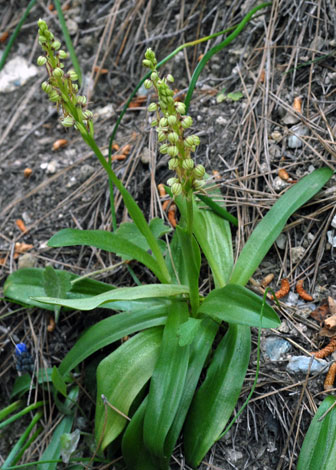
{"points": [[60, 86], [171, 122]]}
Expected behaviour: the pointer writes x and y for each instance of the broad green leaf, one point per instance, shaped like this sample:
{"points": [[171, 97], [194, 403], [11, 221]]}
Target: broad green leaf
{"points": [[236, 304], [270, 227], [318, 450], [216, 398], [53, 451], [175, 262], [135, 454], [188, 331], [214, 237], [25, 283], [192, 264], [112, 329], [120, 377], [106, 241], [129, 231], [58, 381], [167, 383], [56, 284], [123, 293], [199, 351]]}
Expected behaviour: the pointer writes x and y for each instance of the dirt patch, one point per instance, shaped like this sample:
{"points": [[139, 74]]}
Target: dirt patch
{"points": [[285, 53]]}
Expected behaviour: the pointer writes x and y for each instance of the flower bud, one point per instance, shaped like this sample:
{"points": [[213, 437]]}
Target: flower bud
{"points": [[150, 55], [173, 137], [172, 151], [154, 123], [73, 75], [170, 78], [163, 122], [161, 136], [180, 108], [81, 100], [189, 141], [173, 163], [152, 107], [56, 45], [42, 39], [147, 63], [176, 189], [88, 114], [172, 181], [164, 148], [154, 76], [172, 120], [197, 184], [42, 25], [75, 87], [148, 84], [188, 164], [46, 87], [54, 96], [62, 54], [196, 140], [41, 60], [199, 171], [68, 121], [58, 72], [187, 122]]}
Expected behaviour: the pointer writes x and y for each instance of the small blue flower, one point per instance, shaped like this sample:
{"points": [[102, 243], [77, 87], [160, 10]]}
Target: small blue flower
{"points": [[24, 361], [20, 348]]}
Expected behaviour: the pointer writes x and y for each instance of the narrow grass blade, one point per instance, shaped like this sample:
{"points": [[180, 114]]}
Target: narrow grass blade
{"points": [[68, 41], [15, 452], [53, 451], [219, 210], [218, 48], [15, 33], [270, 227]]}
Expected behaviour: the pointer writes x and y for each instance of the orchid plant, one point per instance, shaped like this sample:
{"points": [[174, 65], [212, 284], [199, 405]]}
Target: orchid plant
{"points": [[184, 364]]}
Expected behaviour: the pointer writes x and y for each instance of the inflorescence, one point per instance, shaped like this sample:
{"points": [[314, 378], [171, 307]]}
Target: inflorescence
{"points": [[171, 122], [61, 87]]}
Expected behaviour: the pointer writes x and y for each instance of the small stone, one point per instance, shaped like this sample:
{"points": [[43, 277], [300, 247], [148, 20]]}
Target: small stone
{"points": [[274, 151], [234, 455], [221, 121], [279, 184], [51, 167], [331, 238], [290, 119], [333, 222], [72, 26], [85, 172], [300, 364], [277, 136], [297, 253], [281, 241], [26, 261], [146, 156], [16, 73], [276, 347], [105, 112], [294, 141]]}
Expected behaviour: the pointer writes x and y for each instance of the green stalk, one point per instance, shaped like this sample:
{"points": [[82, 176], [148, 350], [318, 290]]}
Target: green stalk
{"points": [[21, 413], [14, 454]]}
